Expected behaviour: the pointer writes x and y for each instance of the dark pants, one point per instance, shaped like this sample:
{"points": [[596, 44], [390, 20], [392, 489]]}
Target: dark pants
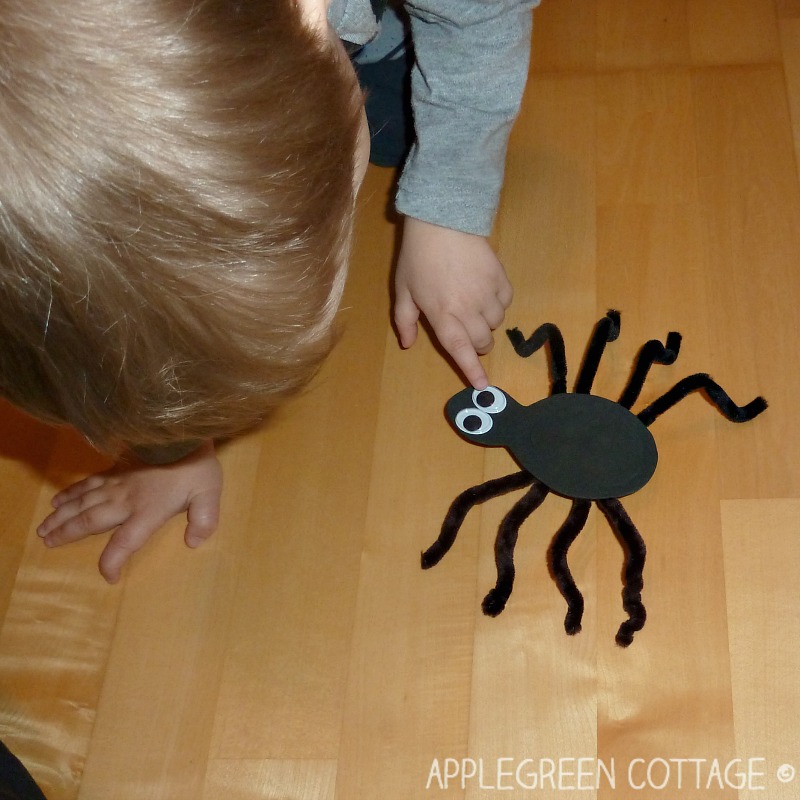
{"points": [[15, 781], [384, 71]]}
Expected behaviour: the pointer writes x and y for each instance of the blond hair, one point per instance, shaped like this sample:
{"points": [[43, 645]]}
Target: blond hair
{"points": [[175, 209]]}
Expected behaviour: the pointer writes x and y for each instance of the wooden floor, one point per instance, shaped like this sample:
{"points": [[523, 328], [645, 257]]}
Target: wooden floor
{"points": [[303, 653]]}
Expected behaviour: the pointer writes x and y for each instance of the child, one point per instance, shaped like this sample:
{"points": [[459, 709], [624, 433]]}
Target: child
{"points": [[175, 222]]}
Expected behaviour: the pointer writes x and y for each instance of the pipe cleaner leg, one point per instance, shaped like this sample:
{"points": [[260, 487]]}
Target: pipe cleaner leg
{"points": [[495, 601], [557, 355], [557, 561], [634, 567], [653, 352], [461, 506], [715, 393], [607, 330]]}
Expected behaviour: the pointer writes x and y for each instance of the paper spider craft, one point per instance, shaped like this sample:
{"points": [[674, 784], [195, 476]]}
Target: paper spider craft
{"points": [[577, 445]]}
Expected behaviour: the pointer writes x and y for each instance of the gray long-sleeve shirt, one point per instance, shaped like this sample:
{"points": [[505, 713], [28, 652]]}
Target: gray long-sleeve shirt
{"points": [[471, 66]]}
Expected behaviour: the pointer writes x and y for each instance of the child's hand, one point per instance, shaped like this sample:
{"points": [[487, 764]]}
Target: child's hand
{"points": [[456, 281], [137, 500]]}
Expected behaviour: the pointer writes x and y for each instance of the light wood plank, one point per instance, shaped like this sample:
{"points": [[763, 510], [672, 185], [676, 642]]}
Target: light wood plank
{"points": [[26, 449], [407, 700], [733, 31], [788, 9], [55, 641], [532, 694], [650, 262], [790, 43], [565, 36], [646, 152], [751, 216], [650, 33], [243, 779], [761, 566]]}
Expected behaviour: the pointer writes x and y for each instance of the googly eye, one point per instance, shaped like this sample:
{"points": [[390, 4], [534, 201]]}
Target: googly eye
{"points": [[474, 421], [490, 400]]}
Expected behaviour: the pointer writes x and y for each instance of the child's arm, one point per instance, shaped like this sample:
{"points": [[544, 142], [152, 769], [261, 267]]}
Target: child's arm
{"points": [[455, 280], [137, 499], [471, 67]]}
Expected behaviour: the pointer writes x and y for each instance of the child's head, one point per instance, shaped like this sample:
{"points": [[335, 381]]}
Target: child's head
{"points": [[175, 211]]}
